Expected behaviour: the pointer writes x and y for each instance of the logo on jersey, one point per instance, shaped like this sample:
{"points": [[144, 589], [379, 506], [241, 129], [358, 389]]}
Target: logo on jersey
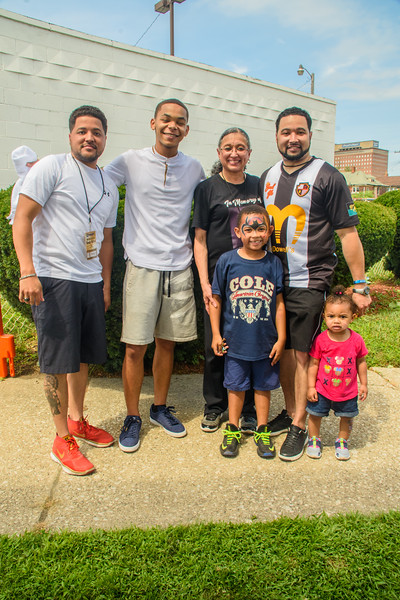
{"points": [[351, 209], [302, 189], [280, 216], [269, 190]]}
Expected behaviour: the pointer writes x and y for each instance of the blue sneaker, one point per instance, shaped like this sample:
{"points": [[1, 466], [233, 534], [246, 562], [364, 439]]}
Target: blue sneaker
{"points": [[164, 417], [314, 448], [341, 449], [129, 437]]}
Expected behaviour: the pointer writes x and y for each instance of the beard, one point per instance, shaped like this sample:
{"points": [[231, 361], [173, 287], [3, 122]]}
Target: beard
{"points": [[295, 157]]}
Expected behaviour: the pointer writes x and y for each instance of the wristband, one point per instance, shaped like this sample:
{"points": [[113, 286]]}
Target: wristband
{"points": [[26, 276], [359, 281]]}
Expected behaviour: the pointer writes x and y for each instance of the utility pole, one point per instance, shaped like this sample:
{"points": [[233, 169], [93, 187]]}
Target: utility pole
{"points": [[163, 6]]}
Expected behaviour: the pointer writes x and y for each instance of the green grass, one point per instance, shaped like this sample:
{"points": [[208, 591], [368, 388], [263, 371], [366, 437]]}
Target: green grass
{"points": [[321, 558]]}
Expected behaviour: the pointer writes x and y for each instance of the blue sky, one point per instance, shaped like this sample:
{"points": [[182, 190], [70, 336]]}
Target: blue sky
{"points": [[352, 46]]}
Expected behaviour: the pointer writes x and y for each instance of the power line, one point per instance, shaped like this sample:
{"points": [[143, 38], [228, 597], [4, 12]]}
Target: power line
{"points": [[142, 36]]}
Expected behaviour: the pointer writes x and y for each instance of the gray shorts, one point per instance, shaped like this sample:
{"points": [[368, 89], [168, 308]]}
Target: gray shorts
{"points": [[158, 304]]}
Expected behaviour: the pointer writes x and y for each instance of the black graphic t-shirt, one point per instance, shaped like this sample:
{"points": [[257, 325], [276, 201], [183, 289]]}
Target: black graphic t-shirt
{"points": [[248, 289], [217, 204]]}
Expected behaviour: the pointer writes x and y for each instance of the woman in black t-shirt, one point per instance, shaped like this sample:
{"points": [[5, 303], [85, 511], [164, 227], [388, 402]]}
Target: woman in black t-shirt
{"points": [[217, 203]]}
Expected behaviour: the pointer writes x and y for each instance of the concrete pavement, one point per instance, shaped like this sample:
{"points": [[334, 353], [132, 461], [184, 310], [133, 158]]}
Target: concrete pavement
{"points": [[171, 481]]}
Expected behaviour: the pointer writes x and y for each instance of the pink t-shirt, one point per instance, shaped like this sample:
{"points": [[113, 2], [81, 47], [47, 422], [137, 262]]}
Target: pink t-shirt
{"points": [[337, 371]]}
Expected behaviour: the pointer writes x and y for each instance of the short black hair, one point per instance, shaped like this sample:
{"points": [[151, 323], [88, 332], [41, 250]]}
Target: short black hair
{"points": [[87, 111], [338, 296], [251, 209], [171, 101], [294, 110]]}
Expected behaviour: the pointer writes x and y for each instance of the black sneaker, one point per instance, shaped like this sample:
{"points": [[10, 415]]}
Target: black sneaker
{"points": [[293, 447], [265, 447], [210, 422], [248, 424], [230, 444], [280, 424]]}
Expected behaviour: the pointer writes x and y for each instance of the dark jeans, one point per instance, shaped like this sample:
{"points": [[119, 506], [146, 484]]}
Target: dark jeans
{"points": [[215, 395]]}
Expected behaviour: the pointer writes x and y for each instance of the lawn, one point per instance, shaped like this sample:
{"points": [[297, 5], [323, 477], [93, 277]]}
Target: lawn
{"points": [[320, 558]]}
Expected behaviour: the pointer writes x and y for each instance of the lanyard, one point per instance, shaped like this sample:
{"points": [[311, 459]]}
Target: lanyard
{"points": [[84, 188]]}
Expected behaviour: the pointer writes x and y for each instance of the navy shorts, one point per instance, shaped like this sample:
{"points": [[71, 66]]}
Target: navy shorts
{"points": [[241, 375], [70, 325], [303, 317], [321, 408]]}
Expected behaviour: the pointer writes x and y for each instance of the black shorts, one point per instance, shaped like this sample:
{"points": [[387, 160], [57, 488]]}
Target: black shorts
{"points": [[70, 325], [303, 317]]}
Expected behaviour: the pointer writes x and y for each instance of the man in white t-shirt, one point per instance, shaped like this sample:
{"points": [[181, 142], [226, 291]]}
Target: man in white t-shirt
{"points": [[158, 299], [63, 239]]}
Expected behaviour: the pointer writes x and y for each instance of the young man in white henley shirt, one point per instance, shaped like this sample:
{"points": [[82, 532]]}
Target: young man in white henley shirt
{"points": [[158, 300]]}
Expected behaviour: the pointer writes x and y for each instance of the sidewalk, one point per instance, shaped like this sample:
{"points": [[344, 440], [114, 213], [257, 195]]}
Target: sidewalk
{"points": [[171, 481]]}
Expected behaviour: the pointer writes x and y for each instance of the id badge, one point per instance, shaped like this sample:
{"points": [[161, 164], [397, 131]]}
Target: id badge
{"points": [[90, 243]]}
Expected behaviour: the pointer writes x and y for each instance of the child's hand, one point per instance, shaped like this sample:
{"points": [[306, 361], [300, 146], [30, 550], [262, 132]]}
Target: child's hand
{"points": [[219, 345], [277, 351], [362, 392], [312, 394]]}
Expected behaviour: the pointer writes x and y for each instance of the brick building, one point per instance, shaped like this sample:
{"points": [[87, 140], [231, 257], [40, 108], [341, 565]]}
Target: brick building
{"points": [[362, 156]]}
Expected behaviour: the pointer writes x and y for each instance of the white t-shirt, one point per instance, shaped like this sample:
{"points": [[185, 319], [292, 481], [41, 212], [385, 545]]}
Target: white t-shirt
{"points": [[59, 248], [159, 193]]}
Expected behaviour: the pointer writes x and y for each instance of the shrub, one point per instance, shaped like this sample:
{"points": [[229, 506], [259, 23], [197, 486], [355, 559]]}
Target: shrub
{"points": [[392, 200], [376, 230], [9, 267]]}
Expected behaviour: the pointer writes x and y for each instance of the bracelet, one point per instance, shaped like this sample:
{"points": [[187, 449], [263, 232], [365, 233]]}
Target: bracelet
{"points": [[359, 281], [26, 276]]}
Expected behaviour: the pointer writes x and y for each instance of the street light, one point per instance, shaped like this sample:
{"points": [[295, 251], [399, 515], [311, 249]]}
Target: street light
{"points": [[300, 71], [163, 7]]}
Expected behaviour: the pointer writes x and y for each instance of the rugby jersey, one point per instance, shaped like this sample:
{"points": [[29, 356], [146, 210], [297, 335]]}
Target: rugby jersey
{"points": [[306, 207]]}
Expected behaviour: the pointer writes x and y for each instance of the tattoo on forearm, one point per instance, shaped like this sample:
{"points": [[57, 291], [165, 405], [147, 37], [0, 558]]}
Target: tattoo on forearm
{"points": [[50, 389]]}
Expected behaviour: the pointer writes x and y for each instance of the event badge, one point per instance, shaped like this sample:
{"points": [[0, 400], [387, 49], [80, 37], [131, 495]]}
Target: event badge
{"points": [[90, 243]]}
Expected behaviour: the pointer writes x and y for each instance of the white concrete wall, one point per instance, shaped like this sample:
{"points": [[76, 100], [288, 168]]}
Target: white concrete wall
{"points": [[46, 71]]}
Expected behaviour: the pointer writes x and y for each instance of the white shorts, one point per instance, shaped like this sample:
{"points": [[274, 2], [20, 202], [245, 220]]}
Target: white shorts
{"points": [[158, 304]]}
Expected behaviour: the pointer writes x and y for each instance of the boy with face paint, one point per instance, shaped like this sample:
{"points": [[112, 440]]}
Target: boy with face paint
{"points": [[249, 326]]}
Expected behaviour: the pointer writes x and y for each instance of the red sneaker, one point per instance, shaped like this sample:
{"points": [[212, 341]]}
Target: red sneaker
{"points": [[92, 435], [66, 452]]}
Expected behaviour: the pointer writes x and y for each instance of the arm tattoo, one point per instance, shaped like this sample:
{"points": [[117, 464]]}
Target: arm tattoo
{"points": [[50, 389]]}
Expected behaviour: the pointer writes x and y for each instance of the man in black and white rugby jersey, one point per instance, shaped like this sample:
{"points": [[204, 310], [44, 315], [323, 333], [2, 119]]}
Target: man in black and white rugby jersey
{"points": [[308, 200]]}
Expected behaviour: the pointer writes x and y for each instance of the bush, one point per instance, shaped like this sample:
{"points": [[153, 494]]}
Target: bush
{"points": [[376, 230], [392, 200]]}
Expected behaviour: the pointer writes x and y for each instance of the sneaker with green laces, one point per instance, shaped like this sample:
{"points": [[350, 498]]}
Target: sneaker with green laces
{"points": [[230, 443], [265, 446]]}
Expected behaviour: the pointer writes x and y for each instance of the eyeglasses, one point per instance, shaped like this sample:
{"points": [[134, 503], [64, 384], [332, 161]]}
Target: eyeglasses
{"points": [[239, 149]]}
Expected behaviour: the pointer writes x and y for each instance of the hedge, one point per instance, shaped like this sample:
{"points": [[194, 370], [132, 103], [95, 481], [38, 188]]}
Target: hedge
{"points": [[392, 200], [376, 229]]}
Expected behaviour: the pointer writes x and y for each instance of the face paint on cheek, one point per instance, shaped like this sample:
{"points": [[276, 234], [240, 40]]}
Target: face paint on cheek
{"points": [[254, 222]]}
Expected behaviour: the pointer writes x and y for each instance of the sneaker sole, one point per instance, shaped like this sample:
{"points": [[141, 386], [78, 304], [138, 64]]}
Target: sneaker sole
{"points": [[313, 455], [295, 457], [68, 470], [178, 434], [92, 443], [128, 448], [208, 429], [342, 457], [266, 456], [231, 455]]}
